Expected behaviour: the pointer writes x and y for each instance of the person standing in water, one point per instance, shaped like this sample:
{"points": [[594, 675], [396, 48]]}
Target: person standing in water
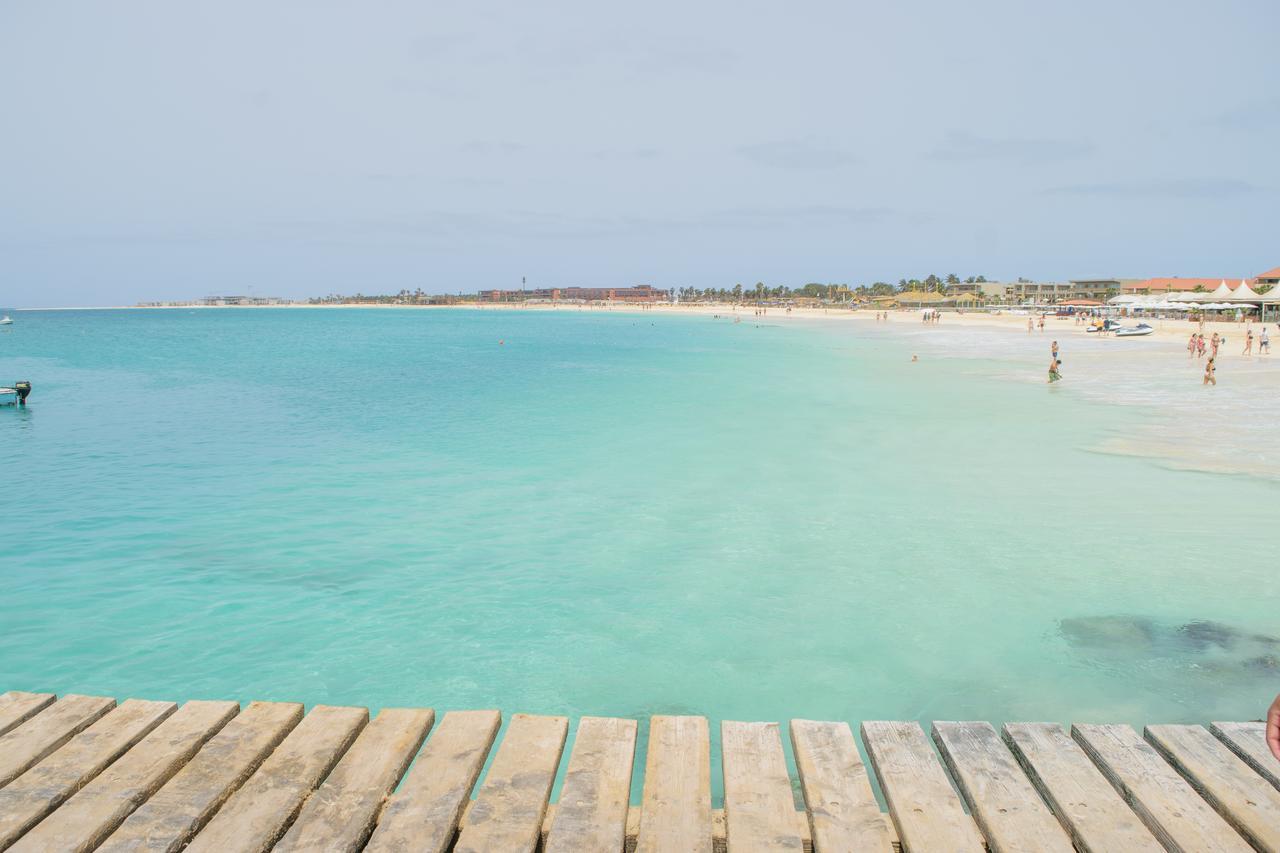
{"points": [[1213, 345], [1054, 350], [1191, 346], [1030, 326], [1209, 374], [1054, 375]]}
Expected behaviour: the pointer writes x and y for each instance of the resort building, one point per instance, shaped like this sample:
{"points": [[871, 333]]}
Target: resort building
{"points": [[1270, 277], [1032, 291], [639, 293]]}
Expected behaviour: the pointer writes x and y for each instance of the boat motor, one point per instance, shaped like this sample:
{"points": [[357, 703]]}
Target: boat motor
{"points": [[23, 389]]}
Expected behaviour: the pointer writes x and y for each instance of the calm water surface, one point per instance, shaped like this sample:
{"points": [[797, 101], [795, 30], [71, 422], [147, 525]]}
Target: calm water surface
{"points": [[608, 514]]}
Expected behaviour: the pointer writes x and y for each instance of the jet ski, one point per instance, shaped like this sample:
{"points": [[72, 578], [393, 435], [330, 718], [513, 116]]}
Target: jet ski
{"points": [[1134, 331]]}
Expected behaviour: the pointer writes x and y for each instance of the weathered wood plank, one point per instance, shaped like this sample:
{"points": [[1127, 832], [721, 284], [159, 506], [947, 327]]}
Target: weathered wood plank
{"points": [[186, 802], [423, 815], [925, 810], [843, 814], [508, 811], [340, 815], [40, 735], [89, 816], [1085, 803], [1245, 799], [1001, 798], [592, 812], [256, 815], [676, 805], [1165, 802], [17, 707], [760, 810], [36, 793], [1249, 742]]}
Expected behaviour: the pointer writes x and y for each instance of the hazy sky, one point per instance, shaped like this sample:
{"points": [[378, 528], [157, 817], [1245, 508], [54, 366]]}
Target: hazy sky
{"points": [[171, 149]]}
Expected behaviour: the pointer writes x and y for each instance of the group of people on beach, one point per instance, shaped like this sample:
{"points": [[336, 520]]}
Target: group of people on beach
{"points": [[1197, 347], [932, 316]]}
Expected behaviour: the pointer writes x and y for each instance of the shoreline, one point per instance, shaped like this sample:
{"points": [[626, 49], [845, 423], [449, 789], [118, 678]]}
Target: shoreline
{"points": [[1165, 330]]}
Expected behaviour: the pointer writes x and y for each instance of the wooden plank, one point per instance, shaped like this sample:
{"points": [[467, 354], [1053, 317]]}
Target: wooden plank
{"points": [[36, 793], [256, 815], [423, 814], [1085, 803], [177, 811], [843, 814], [341, 813], [40, 735], [676, 807], [1249, 742], [760, 810], [508, 811], [17, 707], [592, 813], [83, 821], [1001, 799], [1177, 816], [1245, 799], [925, 810]]}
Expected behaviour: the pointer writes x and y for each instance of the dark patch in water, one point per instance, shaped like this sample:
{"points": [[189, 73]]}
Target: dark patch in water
{"points": [[1110, 632], [1204, 635], [1208, 646], [1263, 665]]}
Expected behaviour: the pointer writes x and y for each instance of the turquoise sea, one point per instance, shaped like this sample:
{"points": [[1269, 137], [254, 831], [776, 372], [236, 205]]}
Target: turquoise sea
{"points": [[609, 513]]}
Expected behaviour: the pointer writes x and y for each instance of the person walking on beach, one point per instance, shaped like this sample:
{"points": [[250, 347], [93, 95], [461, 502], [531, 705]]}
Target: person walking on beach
{"points": [[1030, 326], [1191, 346], [1264, 342], [1248, 342], [1213, 345], [1200, 346], [1209, 374], [1042, 323]]}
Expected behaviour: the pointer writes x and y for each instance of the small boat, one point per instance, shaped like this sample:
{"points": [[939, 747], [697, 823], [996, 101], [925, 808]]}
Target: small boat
{"points": [[19, 392], [1134, 331], [6, 320]]}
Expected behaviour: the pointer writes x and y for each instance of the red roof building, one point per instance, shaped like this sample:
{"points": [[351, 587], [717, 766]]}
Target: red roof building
{"points": [[1271, 277]]}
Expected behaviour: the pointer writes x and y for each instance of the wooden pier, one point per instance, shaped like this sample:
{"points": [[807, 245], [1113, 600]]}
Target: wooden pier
{"points": [[85, 773]]}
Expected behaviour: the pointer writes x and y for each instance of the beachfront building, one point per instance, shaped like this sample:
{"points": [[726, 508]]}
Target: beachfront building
{"points": [[1269, 278], [1040, 292], [984, 290], [242, 300], [1099, 288], [1174, 284], [639, 293]]}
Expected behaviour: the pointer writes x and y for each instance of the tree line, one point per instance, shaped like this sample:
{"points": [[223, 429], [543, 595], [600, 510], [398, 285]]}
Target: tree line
{"points": [[816, 290]]}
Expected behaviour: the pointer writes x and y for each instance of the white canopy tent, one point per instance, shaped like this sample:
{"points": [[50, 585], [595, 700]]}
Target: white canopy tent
{"points": [[1222, 291], [1244, 293]]}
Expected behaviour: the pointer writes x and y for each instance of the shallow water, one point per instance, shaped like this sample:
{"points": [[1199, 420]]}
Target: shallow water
{"points": [[613, 514]]}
